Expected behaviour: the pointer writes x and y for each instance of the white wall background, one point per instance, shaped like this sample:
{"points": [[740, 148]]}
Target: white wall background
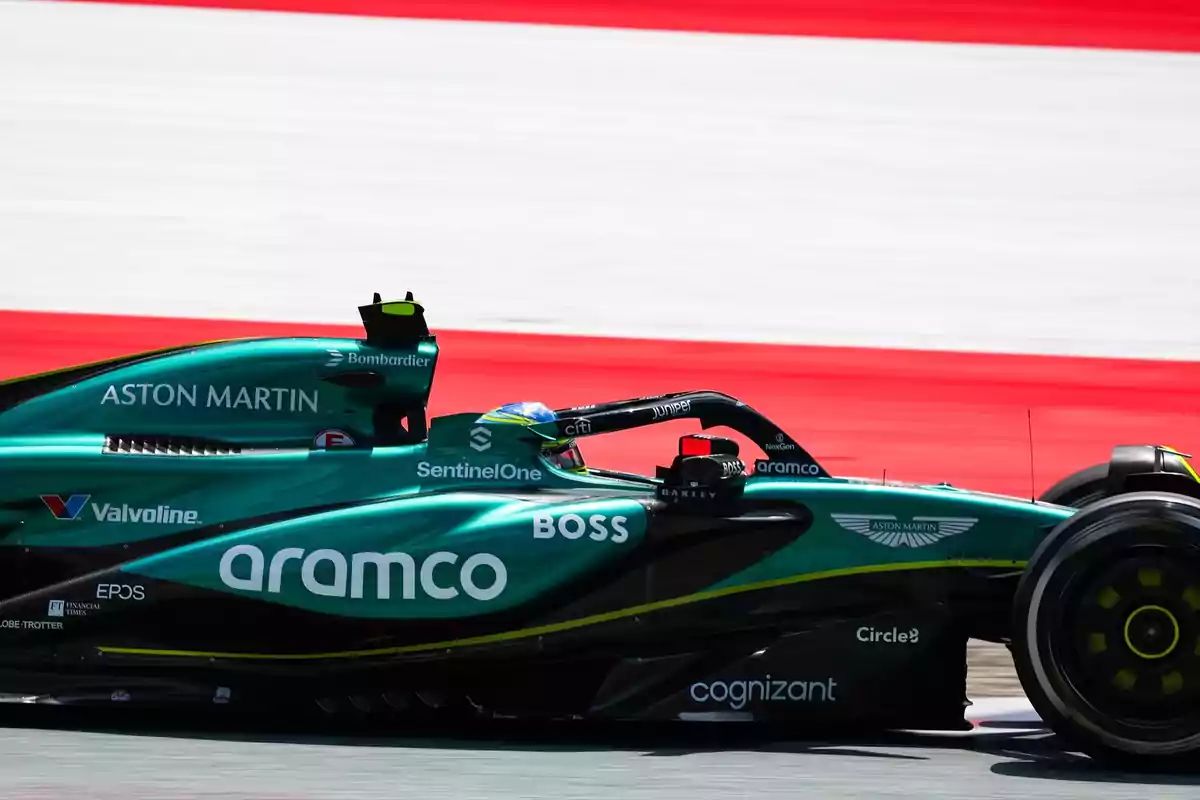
{"points": [[211, 163]]}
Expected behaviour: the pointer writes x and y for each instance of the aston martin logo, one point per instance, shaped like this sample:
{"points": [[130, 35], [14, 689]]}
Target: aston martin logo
{"points": [[887, 530]]}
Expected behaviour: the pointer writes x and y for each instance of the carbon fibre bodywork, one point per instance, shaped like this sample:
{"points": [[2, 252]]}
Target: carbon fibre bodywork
{"points": [[274, 519]]}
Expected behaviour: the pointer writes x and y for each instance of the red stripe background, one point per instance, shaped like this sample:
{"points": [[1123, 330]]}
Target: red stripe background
{"points": [[1139, 24]]}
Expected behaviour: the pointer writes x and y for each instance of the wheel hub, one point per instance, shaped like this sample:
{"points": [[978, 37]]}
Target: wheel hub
{"points": [[1137, 637], [1151, 632]]}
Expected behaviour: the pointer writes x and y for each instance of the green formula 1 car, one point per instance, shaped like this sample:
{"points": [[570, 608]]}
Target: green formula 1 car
{"points": [[277, 522]]}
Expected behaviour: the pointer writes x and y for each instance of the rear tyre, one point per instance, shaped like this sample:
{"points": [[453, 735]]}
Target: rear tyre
{"points": [[1079, 489], [1107, 630]]}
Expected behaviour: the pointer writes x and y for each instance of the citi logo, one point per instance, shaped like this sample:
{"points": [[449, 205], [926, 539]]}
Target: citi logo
{"points": [[481, 439], [69, 508]]}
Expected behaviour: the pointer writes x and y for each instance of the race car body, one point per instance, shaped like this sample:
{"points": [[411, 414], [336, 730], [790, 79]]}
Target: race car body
{"points": [[277, 521]]}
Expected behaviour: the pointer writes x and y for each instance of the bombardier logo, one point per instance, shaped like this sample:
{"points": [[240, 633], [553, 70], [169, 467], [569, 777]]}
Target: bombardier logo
{"points": [[353, 359], [885, 529], [481, 576]]}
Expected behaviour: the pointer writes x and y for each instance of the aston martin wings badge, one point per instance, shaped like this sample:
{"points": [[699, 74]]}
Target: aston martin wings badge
{"points": [[887, 530]]}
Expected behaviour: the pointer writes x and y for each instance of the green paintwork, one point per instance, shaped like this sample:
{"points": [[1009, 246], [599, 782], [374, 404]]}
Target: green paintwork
{"points": [[252, 391], [462, 491]]}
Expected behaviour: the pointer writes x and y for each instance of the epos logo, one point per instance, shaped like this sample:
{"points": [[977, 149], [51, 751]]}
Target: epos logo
{"points": [[70, 508], [119, 591], [573, 526]]}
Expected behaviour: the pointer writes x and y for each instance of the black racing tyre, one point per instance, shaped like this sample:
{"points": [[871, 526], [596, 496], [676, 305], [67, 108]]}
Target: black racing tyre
{"points": [[1107, 630], [1080, 488]]}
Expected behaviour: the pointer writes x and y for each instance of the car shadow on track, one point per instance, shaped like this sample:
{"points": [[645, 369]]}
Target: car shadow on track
{"points": [[1021, 751]]}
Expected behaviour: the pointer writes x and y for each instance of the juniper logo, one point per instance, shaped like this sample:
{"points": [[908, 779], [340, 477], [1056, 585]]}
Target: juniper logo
{"points": [[887, 530]]}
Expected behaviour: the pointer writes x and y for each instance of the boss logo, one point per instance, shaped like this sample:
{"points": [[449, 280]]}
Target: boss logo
{"points": [[731, 468], [119, 591], [598, 527]]}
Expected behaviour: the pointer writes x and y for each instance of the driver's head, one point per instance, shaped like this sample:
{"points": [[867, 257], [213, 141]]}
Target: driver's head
{"points": [[561, 453]]}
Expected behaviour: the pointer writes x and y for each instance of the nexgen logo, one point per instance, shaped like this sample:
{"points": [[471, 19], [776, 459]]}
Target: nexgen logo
{"points": [[68, 508]]}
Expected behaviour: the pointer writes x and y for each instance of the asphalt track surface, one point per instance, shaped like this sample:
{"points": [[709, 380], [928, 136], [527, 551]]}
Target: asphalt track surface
{"points": [[53, 757]]}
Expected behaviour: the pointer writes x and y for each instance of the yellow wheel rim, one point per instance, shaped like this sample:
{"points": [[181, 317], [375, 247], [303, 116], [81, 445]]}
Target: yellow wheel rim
{"points": [[1174, 632]]}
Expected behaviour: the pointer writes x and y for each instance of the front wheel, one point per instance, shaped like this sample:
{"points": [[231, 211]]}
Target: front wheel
{"points": [[1107, 629], [1080, 488]]}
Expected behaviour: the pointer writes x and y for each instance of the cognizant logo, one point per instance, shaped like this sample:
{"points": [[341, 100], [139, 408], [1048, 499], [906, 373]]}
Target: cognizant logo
{"points": [[481, 576], [736, 694]]}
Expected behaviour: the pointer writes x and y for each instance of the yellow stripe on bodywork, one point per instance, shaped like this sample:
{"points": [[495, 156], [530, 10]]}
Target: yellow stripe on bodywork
{"points": [[582, 622], [1187, 464]]}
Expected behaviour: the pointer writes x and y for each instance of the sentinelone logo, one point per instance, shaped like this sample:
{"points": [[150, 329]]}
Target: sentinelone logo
{"points": [[474, 472], [72, 507], [737, 694]]}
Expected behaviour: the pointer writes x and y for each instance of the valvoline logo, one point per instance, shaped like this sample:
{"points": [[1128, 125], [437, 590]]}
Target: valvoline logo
{"points": [[69, 508]]}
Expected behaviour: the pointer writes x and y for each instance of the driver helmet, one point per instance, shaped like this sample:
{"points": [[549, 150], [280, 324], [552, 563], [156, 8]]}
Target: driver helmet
{"points": [[561, 453]]}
